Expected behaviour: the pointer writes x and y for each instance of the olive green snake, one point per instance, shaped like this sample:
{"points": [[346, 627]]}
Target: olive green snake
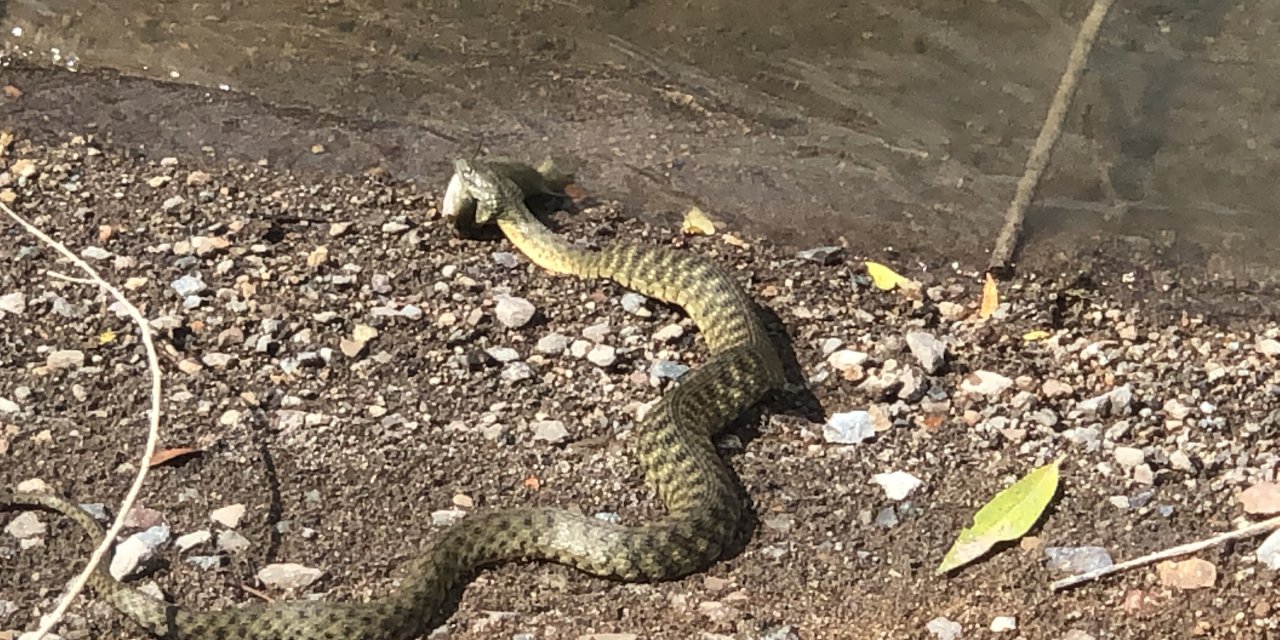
{"points": [[672, 441]]}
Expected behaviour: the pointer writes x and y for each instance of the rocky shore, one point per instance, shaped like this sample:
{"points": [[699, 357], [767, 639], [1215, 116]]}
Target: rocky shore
{"points": [[352, 377]]}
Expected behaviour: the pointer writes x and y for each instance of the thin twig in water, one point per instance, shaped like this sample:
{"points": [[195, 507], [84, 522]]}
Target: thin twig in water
{"points": [[153, 429], [1050, 131], [1248, 532]]}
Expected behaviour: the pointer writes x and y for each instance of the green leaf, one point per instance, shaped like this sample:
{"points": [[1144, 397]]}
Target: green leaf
{"points": [[1008, 516]]}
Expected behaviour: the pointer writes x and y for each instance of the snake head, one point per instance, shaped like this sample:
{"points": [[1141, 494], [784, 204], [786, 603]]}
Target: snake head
{"points": [[492, 192]]}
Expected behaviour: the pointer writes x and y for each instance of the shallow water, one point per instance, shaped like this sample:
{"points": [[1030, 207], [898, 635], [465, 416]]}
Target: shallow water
{"points": [[900, 124]]}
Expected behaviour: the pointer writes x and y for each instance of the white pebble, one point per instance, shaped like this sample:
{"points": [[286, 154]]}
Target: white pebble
{"points": [[15, 303], [514, 312], [944, 629], [26, 525], [602, 355], [897, 485], [193, 539], [986, 383], [288, 575], [1129, 457], [136, 550], [550, 431], [852, 427], [1268, 552], [228, 516], [1004, 623]]}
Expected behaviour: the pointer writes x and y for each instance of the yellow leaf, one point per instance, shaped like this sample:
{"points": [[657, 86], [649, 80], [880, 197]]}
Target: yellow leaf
{"points": [[1008, 516], [696, 223], [106, 336], [885, 278], [990, 298], [1032, 336]]}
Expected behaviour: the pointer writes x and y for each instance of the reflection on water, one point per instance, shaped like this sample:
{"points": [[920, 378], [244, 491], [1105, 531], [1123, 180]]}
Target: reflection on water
{"points": [[841, 116]]}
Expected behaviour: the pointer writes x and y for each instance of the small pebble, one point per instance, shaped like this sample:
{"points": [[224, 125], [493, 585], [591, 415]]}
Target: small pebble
{"points": [[579, 348], [1076, 559], [602, 355], [550, 431], [985, 383], [1129, 457], [830, 345], [446, 517], [852, 427], [195, 538], [634, 303], [552, 344], [15, 303], [825, 256], [189, 285], [1003, 623], [516, 371], [597, 332], [351, 348], [288, 575], [1261, 499], [95, 253], [26, 525], [1191, 573], [667, 370], [887, 518], [136, 550], [845, 359], [1056, 389], [513, 312], [65, 359], [897, 485], [206, 563], [1268, 347], [929, 351], [228, 516], [1268, 552], [503, 354], [944, 629], [669, 333], [232, 542]]}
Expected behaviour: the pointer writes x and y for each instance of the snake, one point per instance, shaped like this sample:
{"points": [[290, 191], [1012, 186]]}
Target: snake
{"points": [[673, 442]]}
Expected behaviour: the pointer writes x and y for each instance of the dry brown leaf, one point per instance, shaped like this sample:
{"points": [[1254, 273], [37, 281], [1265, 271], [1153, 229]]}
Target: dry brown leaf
{"points": [[168, 455], [990, 298], [1192, 573]]}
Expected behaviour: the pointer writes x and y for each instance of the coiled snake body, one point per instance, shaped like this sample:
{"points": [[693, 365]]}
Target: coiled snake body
{"points": [[672, 442]]}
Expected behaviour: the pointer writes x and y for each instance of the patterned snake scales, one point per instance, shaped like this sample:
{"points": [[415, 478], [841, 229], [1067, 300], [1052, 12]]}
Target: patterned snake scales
{"points": [[672, 442]]}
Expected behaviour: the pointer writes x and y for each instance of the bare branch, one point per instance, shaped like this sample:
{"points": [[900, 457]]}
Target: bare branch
{"points": [[1038, 160], [1181, 550]]}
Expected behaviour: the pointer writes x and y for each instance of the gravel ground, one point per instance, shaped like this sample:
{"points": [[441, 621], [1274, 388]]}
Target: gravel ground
{"points": [[353, 377]]}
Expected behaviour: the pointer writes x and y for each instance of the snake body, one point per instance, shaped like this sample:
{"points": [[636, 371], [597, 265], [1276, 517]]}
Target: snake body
{"points": [[672, 442]]}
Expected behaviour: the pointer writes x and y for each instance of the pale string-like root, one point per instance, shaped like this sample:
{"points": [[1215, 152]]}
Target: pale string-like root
{"points": [[153, 429]]}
